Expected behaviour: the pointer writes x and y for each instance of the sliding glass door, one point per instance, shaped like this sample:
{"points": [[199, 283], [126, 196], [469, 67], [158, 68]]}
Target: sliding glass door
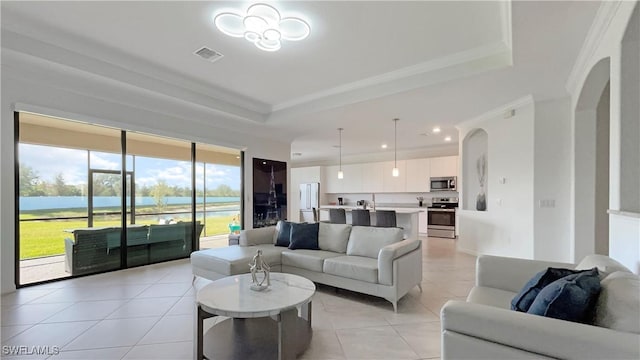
{"points": [[75, 217]]}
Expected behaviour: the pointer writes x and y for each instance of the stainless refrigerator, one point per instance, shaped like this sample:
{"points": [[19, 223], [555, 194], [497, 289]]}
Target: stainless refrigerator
{"points": [[309, 201]]}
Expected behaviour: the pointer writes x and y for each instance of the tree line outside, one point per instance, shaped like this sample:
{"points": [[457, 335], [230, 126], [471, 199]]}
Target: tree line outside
{"points": [[43, 238], [31, 184]]}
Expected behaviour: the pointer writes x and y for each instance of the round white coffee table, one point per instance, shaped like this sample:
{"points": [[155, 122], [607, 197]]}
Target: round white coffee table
{"points": [[262, 325]]}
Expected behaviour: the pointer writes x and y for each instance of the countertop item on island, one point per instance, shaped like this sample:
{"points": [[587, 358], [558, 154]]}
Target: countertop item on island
{"points": [[399, 210]]}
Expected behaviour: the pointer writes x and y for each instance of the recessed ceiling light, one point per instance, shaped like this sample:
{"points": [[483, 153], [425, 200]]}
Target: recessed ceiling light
{"points": [[384, 146], [436, 129], [447, 138], [237, 157], [264, 163]]}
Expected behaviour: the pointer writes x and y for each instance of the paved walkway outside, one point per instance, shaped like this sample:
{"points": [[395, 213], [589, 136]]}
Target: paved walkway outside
{"points": [[52, 267]]}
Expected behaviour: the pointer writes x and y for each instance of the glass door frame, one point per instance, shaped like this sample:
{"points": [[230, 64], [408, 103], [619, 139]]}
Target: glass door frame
{"points": [[124, 203], [131, 192]]}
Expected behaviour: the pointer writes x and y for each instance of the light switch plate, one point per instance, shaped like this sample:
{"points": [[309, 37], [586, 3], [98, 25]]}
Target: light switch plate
{"points": [[547, 203]]}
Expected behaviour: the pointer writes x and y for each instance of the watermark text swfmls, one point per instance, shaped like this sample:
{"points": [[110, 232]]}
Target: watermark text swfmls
{"points": [[21, 350]]}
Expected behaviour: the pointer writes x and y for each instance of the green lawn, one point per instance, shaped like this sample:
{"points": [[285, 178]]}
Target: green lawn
{"points": [[46, 238]]}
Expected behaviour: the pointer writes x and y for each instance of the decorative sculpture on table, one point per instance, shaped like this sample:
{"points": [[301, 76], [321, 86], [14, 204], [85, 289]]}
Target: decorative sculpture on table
{"points": [[259, 266], [481, 166]]}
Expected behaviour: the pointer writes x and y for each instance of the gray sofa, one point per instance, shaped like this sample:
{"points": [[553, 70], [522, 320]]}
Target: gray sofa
{"points": [[369, 260], [484, 327]]}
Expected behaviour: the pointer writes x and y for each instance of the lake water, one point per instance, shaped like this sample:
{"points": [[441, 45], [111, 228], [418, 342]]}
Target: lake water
{"points": [[28, 203]]}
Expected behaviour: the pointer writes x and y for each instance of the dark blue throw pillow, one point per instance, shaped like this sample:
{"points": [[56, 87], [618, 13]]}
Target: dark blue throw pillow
{"points": [[571, 298], [525, 297], [284, 234], [304, 236]]}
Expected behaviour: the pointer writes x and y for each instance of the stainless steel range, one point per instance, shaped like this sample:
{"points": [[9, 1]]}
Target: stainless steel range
{"points": [[441, 217]]}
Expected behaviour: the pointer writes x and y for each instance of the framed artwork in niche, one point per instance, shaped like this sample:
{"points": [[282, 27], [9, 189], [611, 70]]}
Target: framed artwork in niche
{"points": [[269, 192]]}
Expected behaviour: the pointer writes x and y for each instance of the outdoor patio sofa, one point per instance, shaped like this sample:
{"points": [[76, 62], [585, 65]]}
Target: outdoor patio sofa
{"points": [[94, 250], [365, 259]]}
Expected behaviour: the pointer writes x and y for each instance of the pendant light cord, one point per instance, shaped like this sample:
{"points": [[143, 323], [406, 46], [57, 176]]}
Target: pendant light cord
{"points": [[395, 142], [340, 148]]}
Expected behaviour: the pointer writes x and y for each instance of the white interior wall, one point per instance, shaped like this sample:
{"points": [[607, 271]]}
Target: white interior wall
{"points": [[551, 180], [624, 228], [585, 184], [605, 42], [630, 116], [601, 221], [507, 228], [72, 97]]}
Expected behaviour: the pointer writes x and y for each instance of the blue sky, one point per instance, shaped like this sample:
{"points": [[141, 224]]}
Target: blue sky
{"points": [[49, 161]]}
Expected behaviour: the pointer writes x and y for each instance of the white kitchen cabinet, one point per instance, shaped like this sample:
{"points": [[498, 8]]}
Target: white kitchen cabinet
{"points": [[392, 183], [352, 182], [331, 183], [418, 175], [443, 166], [372, 174], [306, 175], [422, 222]]}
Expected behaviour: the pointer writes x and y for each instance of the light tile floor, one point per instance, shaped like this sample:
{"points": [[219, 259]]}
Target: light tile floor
{"points": [[147, 313], [52, 267]]}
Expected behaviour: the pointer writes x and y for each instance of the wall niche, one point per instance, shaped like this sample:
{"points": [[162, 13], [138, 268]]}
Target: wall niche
{"points": [[475, 170]]}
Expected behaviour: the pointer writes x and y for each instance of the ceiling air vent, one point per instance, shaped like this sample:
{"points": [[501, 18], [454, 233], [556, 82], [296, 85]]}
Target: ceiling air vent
{"points": [[208, 54]]}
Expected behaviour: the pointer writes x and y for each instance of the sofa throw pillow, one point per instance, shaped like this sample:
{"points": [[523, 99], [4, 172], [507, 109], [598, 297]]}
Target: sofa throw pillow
{"points": [[571, 298], [283, 236], [523, 300], [304, 236]]}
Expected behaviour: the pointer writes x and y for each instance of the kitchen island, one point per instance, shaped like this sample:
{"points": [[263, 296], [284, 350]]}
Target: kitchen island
{"points": [[406, 218]]}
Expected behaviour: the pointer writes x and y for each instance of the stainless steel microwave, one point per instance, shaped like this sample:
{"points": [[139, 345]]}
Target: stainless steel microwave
{"points": [[447, 183]]}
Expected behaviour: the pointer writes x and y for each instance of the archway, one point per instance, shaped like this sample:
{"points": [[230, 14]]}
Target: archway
{"points": [[475, 152], [629, 167], [591, 164]]}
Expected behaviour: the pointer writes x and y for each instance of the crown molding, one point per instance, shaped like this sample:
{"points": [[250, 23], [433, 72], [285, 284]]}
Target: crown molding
{"points": [[605, 15], [38, 39], [497, 112], [507, 25], [381, 156], [395, 77], [63, 81], [27, 49]]}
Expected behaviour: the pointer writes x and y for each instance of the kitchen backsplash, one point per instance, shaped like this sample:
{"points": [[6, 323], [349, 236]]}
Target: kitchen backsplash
{"points": [[388, 199]]}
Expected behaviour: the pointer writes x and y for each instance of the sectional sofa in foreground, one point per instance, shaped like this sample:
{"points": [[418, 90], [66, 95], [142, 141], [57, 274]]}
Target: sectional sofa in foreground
{"points": [[365, 259]]}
